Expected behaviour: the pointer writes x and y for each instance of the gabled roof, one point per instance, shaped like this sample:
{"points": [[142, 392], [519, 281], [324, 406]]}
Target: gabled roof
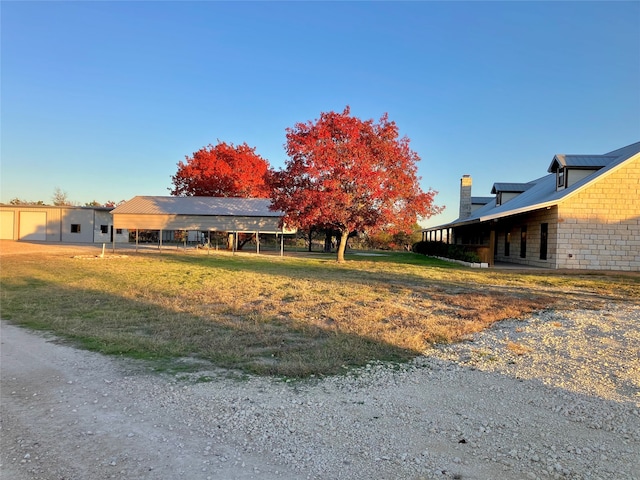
{"points": [[481, 200], [217, 206], [510, 187], [580, 161], [543, 193]]}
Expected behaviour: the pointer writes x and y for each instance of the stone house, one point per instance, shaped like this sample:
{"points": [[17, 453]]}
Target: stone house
{"points": [[584, 214]]}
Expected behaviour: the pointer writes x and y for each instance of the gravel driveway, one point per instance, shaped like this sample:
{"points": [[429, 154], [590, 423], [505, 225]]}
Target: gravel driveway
{"points": [[554, 396]]}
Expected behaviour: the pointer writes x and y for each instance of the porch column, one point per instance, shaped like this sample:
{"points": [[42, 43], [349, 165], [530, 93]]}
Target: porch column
{"points": [[492, 246], [282, 243]]}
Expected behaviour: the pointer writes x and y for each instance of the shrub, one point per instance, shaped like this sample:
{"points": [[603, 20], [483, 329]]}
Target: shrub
{"points": [[441, 249]]}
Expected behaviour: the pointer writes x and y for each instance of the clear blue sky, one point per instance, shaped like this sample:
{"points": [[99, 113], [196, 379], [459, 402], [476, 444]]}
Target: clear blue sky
{"points": [[103, 99]]}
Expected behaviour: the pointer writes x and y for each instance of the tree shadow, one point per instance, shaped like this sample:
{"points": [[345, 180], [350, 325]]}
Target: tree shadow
{"points": [[448, 278], [141, 329]]}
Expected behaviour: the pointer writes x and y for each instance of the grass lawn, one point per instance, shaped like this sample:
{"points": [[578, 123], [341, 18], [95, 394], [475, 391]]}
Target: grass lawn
{"points": [[292, 316]]}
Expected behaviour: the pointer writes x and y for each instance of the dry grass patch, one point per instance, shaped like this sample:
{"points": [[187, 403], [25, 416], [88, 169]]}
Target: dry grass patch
{"points": [[518, 348], [292, 316]]}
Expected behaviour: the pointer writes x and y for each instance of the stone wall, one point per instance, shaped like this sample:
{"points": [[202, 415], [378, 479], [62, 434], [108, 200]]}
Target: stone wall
{"points": [[599, 227], [533, 221]]}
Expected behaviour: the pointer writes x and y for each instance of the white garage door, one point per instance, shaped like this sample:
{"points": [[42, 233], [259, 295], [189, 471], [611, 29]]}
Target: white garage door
{"points": [[33, 226], [6, 225]]}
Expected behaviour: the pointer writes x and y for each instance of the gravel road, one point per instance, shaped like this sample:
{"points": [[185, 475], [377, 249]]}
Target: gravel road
{"points": [[556, 396]]}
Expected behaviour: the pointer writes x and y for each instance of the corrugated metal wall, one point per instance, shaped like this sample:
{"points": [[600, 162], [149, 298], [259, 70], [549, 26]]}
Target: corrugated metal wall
{"points": [[57, 224], [77, 226]]}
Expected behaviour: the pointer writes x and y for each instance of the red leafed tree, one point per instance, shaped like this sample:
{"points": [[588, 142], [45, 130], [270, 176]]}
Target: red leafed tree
{"points": [[223, 170], [350, 175]]}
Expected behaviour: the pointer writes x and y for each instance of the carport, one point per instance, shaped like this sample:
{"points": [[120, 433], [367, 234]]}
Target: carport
{"points": [[203, 214]]}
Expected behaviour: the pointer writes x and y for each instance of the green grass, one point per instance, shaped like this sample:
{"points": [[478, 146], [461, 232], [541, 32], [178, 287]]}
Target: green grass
{"points": [[292, 316]]}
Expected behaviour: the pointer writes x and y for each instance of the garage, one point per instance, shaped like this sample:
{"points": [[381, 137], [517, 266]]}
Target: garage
{"points": [[6, 225], [33, 226]]}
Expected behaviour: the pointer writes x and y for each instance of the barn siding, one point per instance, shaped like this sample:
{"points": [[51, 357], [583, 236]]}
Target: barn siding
{"points": [[82, 218], [57, 221]]}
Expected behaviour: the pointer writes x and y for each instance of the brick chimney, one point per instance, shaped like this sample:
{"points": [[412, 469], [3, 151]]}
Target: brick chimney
{"points": [[465, 197]]}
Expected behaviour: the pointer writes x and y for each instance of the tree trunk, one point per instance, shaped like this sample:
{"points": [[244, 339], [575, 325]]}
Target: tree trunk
{"points": [[344, 236], [243, 239], [327, 240], [310, 238]]}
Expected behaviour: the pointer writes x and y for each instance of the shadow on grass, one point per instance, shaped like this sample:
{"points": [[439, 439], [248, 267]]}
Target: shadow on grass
{"points": [[116, 325], [286, 317], [428, 274]]}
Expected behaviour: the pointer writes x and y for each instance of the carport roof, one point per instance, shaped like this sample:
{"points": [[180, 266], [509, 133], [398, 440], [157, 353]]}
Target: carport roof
{"points": [[219, 206]]}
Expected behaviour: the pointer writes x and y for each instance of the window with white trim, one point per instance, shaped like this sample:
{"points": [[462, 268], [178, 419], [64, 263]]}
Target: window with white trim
{"points": [[561, 177]]}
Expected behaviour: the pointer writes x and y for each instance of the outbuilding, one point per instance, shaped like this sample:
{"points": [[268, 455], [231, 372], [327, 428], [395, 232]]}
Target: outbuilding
{"points": [[65, 224], [199, 214]]}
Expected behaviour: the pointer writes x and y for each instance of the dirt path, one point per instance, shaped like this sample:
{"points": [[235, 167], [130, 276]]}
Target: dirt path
{"points": [[70, 414], [473, 411]]}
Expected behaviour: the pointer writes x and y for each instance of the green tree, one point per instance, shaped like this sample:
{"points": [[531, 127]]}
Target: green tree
{"points": [[60, 197]]}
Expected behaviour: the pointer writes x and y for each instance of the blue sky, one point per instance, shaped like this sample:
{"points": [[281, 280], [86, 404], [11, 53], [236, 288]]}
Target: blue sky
{"points": [[103, 99]]}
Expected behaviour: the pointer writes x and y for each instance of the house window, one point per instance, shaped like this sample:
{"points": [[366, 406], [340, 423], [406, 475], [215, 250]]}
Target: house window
{"points": [[523, 242], [118, 231], [499, 199], [75, 228], [104, 228], [544, 232], [561, 177], [507, 243]]}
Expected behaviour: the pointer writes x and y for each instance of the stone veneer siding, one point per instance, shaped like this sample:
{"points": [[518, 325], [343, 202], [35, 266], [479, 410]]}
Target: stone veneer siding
{"points": [[533, 222], [599, 227]]}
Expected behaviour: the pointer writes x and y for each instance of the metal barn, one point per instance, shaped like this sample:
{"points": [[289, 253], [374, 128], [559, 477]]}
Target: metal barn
{"points": [[198, 214]]}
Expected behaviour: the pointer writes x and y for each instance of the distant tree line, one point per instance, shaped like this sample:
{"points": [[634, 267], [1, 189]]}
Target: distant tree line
{"points": [[60, 198]]}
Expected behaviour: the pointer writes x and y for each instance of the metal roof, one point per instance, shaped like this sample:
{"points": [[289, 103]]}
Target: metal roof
{"points": [[510, 187], [580, 161], [218, 206], [543, 192], [481, 200]]}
